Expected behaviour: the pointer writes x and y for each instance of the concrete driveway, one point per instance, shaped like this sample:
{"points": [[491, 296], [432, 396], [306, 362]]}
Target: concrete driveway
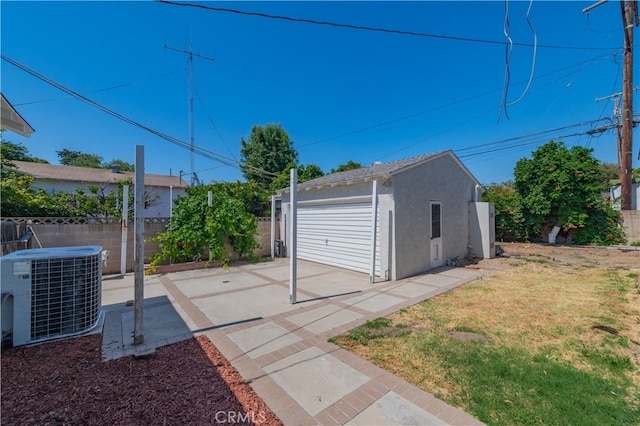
{"points": [[280, 348]]}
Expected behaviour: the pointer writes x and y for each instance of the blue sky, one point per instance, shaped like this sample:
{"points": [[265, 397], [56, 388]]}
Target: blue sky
{"points": [[342, 94]]}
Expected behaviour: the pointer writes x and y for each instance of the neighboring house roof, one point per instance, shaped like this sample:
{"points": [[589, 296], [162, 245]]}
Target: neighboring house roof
{"points": [[11, 120], [90, 175], [376, 171]]}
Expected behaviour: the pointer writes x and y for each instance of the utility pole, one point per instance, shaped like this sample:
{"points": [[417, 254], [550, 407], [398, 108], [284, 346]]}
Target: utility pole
{"points": [[617, 125], [630, 20], [190, 56]]}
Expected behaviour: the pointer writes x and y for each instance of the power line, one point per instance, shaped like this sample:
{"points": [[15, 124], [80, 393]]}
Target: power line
{"points": [[214, 124], [517, 145], [182, 144], [104, 89], [511, 139], [586, 64], [367, 28]]}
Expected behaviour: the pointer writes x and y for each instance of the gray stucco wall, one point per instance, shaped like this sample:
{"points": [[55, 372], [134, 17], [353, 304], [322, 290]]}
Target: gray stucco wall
{"points": [[438, 180], [404, 213]]}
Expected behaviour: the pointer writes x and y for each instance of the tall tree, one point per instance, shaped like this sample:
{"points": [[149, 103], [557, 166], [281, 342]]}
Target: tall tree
{"points": [[268, 148], [508, 214], [305, 173], [124, 166], [79, 159], [610, 174], [563, 187]]}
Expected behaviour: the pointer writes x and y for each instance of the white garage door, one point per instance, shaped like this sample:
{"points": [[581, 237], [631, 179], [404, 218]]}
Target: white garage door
{"points": [[338, 235]]}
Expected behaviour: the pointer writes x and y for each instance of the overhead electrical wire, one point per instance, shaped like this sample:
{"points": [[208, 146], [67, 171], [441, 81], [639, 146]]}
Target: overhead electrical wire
{"points": [[518, 145], [507, 73], [586, 63], [533, 60], [176, 141], [540, 133], [214, 124], [364, 27], [105, 89]]}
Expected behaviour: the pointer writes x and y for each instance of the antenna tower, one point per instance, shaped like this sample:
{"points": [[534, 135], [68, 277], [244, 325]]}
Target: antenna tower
{"points": [[190, 56]]}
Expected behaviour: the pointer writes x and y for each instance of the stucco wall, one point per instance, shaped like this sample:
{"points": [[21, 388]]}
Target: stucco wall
{"points": [[109, 237], [632, 225], [439, 180]]}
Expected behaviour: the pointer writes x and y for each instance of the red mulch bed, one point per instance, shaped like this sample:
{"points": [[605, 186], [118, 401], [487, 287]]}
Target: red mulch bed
{"points": [[66, 383]]}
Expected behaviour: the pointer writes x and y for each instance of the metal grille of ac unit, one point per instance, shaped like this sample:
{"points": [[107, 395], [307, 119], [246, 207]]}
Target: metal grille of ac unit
{"points": [[65, 295]]}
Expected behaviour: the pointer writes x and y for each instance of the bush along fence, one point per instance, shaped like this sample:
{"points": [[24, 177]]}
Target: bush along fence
{"points": [[19, 233]]}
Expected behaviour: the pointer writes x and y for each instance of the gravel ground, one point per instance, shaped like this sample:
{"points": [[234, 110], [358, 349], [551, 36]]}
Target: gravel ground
{"points": [[65, 382]]}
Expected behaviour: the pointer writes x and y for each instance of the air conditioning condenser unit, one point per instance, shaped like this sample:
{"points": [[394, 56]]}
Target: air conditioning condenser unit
{"points": [[50, 293]]}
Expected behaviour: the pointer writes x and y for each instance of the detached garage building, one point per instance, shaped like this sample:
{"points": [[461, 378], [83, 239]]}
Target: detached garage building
{"points": [[392, 220]]}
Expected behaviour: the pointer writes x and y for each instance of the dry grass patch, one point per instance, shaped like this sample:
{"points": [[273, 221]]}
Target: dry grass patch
{"points": [[547, 324]]}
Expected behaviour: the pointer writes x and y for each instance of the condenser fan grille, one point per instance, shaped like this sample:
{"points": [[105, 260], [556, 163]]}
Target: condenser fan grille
{"points": [[65, 295]]}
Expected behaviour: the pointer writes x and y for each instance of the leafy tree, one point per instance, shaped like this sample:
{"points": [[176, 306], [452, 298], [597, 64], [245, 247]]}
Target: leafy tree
{"points": [[196, 227], [610, 175], [350, 165], [124, 166], [18, 196], [563, 187], [508, 214], [268, 148], [79, 159], [305, 173], [18, 152], [252, 195]]}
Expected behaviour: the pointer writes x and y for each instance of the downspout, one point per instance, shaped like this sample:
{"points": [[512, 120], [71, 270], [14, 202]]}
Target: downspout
{"points": [[374, 215], [478, 194]]}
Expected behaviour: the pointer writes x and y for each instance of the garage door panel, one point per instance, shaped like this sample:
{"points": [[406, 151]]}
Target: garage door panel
{"points": [[337, 235]]}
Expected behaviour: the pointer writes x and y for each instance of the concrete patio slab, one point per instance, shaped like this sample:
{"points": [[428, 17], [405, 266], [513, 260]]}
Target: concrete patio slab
{"points": [[460, 273], [391, 410], [224, 281], [412, 289], [248, 304], [314, 379], [263, 339], [285, 355], [324, 318], [336, 284], [374, 302], [434, 280], [159, 322], [124, 294]]}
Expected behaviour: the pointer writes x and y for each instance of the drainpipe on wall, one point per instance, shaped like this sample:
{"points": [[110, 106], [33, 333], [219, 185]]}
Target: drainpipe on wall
{"points": [[478, 193], [273, 227], [374, 215]]}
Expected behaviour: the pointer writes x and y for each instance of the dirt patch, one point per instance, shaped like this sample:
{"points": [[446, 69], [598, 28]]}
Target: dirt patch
{"points": [[65, 382], [608, 257], [467, 335]]}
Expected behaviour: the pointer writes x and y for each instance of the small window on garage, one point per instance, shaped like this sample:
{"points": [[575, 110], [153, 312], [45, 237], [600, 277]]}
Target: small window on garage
{"points": [[436, 229]]}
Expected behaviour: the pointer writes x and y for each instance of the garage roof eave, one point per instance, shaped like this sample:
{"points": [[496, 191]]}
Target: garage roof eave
{"points": [[287, 190]]}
